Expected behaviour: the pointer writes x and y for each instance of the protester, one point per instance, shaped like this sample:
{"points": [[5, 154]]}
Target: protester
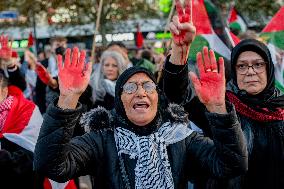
{"points": [[10, 65], [259, 107], [58, 46], [144, 142], [40, 89], [122, 49], [27, 68], [260, 110], [19, 127], [145, 61], [112, 65]]}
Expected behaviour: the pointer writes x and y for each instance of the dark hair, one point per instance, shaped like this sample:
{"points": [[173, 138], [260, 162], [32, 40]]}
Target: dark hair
{"points": [[57, 38], [147, 54], [118, 43]]}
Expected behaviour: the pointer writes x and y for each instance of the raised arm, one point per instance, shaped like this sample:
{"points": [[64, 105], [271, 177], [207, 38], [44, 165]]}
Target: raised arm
{"points": [[73, 78], [57, 155], [174, 79], [210, 87], [226, 155]]}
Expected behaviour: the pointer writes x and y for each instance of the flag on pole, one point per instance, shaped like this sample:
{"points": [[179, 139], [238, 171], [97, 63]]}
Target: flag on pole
{"points": [[139, 37], [205, 34], [30, 40], [235, 21], [273, 35], [274, 30]]}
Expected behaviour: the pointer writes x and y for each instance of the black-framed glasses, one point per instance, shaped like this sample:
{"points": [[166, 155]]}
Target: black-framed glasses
{"points": [[132, 87], [257, 67]]}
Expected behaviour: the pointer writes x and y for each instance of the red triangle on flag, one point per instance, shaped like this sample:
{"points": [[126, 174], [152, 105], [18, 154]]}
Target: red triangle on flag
{"points": [[235, 39], [233, 16], [200, 18], [276, 23]]}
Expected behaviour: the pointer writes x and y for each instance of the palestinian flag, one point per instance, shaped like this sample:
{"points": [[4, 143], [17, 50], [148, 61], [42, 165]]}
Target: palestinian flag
{"points": [[273, 35], [236, 22], [234, 38], [274, 30], [205, 34], [23, 129]]}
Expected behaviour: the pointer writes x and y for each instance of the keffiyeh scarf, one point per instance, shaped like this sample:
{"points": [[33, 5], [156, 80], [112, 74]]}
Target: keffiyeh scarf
{"points": [[153, 167], [5, 107]]}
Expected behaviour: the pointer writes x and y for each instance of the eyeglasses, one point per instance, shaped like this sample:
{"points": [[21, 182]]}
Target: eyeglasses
{"points": [[257, 67], [132, 87]]}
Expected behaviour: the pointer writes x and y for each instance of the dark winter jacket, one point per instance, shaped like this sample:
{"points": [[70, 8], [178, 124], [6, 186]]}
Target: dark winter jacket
{"points": [[62, 157], [107, 102], [265, 139], [16, 166]]}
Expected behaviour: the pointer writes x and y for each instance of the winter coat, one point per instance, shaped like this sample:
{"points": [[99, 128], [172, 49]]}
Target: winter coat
{"points": [[19, 133], [62, 157], [107, 102], [265, 140]]}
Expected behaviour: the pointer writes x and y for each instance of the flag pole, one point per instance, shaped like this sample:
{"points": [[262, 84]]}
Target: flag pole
{"points": [[191, 11], [165, 31], [96, 31], [230, 37], [167, 25]]}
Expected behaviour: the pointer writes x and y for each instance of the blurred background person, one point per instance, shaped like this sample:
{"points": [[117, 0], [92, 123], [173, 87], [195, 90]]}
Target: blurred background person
{"points": [[122, 49], [103, 80]]}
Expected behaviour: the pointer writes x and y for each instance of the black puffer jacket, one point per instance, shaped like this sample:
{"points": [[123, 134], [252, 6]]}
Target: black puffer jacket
{"points": [[16, 166], [265, 140], [61, 157]]}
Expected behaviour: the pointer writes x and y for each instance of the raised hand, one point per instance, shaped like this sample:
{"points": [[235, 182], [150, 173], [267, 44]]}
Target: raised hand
{"points": [[210, 88], [183, 33], [6, 49], [181, 27], [42, 73], [73, 77]]}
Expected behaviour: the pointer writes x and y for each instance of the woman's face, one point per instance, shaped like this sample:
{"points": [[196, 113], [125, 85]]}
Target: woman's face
{"points": [[110, 68], [140, 105], [253, 79]]}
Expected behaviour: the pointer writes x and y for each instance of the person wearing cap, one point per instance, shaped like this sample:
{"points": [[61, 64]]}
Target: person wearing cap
{"points": [[144, 142], [258, 103]]}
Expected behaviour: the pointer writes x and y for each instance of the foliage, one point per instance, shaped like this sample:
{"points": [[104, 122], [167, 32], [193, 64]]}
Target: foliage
{"points": [[81, 12], [256, 10]]}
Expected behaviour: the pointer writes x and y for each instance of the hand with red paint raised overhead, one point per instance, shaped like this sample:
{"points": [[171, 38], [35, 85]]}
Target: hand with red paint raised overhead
{"points": [[73, 78], [210, 88], [183, 33]]}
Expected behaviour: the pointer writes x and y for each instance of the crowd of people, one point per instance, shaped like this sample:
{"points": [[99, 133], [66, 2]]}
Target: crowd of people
{"points": [[130, 122]]}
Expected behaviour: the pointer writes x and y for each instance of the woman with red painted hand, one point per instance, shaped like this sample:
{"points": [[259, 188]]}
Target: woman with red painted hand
{"points": [[144, 142], [258, 104]]}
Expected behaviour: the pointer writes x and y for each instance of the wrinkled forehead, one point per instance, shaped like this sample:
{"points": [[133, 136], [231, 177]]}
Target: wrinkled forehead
{"points": [[139, 78]]}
